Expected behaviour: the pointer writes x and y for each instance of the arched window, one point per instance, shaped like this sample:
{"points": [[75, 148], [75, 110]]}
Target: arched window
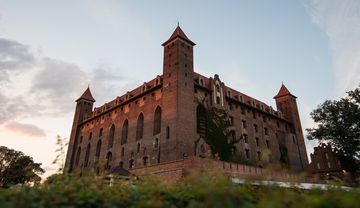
{"points": [[140, 127], [122, 151], [131, 163], [101, 132], [156, 143], [218, 88], [87, 154], [124, 132], [108, 161], [78, 156], [168, 132], [98, 150], [138, 148], [157, 121], [121, 164], [90, 136], [145, 161], [201, 120], [111, 136]]}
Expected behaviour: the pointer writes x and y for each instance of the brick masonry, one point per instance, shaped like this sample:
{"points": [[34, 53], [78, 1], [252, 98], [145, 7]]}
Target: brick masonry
{"points": [[157, 122]]}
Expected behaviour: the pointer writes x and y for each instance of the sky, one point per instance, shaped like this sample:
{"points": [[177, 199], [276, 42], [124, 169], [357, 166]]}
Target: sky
{"points": [[50, 51]]}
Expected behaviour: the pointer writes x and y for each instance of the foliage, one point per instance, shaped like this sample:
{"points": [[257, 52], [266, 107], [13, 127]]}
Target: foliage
{"points": [[17, 168], [197, 190], [217, 134], [339, 125], [60, 157]]}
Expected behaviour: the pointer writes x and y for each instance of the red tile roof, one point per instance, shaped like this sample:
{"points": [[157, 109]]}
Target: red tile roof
{"points": [[87, 96], [283, 91], [178, 33]]}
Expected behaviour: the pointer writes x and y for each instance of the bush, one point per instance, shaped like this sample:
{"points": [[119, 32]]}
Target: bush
{"points": [[196, 190]]}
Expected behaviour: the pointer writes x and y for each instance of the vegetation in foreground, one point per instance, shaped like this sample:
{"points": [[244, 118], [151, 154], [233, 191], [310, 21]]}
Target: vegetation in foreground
{"points": [[196, 190]]}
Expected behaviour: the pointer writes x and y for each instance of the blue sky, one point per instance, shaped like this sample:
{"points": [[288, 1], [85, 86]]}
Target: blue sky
{"points": [[50, 51]]}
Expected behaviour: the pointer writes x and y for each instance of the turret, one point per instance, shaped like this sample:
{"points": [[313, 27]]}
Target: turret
{"points": [[178, 92], [286, 103], [83, 110]]}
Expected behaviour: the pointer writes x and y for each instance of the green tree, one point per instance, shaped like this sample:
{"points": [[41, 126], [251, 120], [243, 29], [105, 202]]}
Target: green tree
{"points": [[339, 125], [60, 151], [17, 168], [217, 134]]}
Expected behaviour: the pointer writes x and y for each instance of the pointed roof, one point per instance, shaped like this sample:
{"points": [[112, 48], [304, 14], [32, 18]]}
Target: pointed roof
{"points": [[283, 92], [86, 96], [178, 33]]}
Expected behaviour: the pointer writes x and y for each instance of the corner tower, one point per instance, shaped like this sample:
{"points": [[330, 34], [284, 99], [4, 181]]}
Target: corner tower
{"points": [[286, 103], [178, 94], [83, 110]]}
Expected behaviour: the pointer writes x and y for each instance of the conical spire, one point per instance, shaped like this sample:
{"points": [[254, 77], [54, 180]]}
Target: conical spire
{"points": [[86, 96], [283, 91], [178, 33]]}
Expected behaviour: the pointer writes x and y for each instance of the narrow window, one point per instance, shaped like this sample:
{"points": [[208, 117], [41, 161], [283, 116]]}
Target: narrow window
{"points": [[140, 127], [87, 154], [145, 161], [111, 136], [78, 156], [266, 131], [101, 132], [122, 151], [259, 156], [98, 149], [268, 144], [168, 132], [247, 153], [108, 161], [138, 148], [255, 128], [243, 124], [257, 141], [157, 121], [124, 132], [245, 136], [131, 163]]}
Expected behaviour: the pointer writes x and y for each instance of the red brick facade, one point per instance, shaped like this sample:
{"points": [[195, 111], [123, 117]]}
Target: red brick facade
{"points": [[157, 122]]}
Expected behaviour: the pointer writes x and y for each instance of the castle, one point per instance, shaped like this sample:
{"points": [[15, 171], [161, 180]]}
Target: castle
{"points": [[159, 121]]}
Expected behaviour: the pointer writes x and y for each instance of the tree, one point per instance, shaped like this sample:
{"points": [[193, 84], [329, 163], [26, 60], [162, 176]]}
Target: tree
{"points": [[17, 168], [217, 134], [60, 157], [339, 125]]}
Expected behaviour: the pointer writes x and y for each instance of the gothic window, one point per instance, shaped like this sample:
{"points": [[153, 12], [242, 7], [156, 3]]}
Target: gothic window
{"points": [[247, 153], [255, 128], [140, 127], [131, 163], [145, 161], [243, 124], [78, 156], [90, 136], [138, 148], [157, 121], [257, 141], [168, 132], [268, 144], [201, 120], [124, 132], [259, 156], [122, 151], [217, 88], [156, 143], [266, 131], [98, 149], [101, 132], [87, 154], [108, 161], [111, 136]]}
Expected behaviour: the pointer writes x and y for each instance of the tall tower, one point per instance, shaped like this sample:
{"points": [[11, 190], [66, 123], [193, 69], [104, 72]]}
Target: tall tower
{"points": [[83, 110], [178, 94], [286, 103]]}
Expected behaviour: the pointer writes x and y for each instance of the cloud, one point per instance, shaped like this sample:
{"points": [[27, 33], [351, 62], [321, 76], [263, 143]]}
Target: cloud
{"points": [[25, 129], [14, 57], [50, 86], [340, 20]]}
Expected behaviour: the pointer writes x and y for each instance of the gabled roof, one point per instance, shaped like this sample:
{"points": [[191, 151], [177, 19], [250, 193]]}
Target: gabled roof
{"points": [[178, 33], [283, 92], [87, 96]]}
